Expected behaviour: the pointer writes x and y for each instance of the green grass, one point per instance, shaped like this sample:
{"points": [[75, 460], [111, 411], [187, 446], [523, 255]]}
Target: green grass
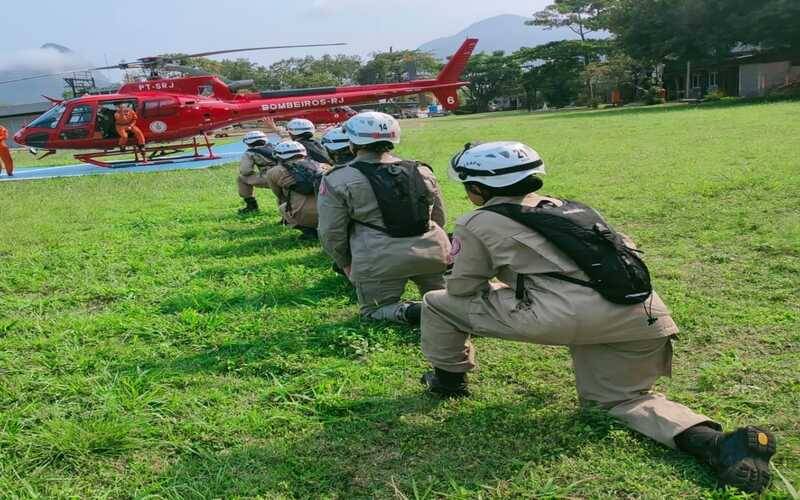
{"points": [[153, 343]]}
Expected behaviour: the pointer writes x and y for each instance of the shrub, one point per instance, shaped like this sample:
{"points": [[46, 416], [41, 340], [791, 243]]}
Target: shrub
{"points": [[715, 95]]}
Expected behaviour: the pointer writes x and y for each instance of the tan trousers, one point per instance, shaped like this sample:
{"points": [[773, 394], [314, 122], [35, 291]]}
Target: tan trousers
{"points": [[248, 183], [381, 300], [617, 377]]}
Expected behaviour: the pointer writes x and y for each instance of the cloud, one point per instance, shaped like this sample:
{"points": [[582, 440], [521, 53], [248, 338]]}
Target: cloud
{"points": [[42, 59]]}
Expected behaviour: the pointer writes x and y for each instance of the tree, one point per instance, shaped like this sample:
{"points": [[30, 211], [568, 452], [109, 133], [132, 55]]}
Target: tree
{"points": [[580, 16], [311, 72], [387, 67], [287, 73], [617, 72], [555, 71], [658, 30], [769, 23], [490, 76]]}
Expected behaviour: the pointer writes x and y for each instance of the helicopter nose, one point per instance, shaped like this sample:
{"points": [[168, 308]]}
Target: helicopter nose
{"points": [[31, 138]]}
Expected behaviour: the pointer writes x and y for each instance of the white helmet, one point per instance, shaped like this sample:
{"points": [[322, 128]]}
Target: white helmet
{"points": [[371, 127], [496, 164], [255, 136], [289, 149], [300, 126], [335, 139]]}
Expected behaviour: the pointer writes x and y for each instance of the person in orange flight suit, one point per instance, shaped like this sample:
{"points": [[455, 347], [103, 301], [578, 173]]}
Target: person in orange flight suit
{"points": [[125, 123], [5, 154]]}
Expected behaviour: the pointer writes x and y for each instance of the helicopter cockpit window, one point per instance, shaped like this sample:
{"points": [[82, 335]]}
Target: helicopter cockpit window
{"points": [[80, 115], [50, 119]]}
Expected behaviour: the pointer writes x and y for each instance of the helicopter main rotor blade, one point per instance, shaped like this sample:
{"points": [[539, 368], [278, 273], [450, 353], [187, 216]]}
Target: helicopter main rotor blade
{"points": [[157, 59], [67, 72], [274, 47]]}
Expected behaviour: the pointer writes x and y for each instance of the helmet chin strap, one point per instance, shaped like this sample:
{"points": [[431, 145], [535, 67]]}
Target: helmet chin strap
{"points": [[538, 183]]}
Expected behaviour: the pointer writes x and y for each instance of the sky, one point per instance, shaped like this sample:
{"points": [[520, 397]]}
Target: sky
{"points": [[110, 31]]}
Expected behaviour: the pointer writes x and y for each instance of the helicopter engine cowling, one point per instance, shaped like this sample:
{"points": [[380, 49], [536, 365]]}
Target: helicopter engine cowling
{"points": [[240, 84]]}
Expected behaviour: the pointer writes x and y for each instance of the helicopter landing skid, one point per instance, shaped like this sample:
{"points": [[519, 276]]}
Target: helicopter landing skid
{"points": [[153, 155]]}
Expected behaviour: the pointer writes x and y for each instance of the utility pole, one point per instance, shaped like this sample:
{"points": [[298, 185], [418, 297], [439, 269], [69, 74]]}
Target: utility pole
{"points": [[688, 77]]}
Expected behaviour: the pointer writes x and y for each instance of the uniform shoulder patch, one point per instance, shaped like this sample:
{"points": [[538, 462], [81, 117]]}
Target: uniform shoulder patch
{"points": [[455, 248]]}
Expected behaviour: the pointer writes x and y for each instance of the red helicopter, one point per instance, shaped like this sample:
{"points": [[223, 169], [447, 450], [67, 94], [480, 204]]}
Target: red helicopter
{"points": [[185, 108]]}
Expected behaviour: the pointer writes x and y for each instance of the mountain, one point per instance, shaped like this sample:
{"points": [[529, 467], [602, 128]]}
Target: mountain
{"points": [[506, 32], [49, 58]]}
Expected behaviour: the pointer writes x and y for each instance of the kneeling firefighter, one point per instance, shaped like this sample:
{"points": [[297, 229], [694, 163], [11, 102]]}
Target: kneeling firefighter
{"points": [[337, 144], [381, 219], [302, 131], [253, 168], [295, 181], [567, 278]]}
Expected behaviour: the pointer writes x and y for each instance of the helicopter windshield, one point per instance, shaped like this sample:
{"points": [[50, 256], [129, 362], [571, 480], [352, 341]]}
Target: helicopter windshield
{"points": [[50, 118]]}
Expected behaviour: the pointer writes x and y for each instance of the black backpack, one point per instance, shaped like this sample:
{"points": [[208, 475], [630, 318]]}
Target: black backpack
{"points": [[267, 152], [307, 176], [316, 151], [402, 195], [615, 270]]}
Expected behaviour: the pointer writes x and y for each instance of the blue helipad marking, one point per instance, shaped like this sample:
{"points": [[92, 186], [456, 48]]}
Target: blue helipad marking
{"points": [[227, 153]]}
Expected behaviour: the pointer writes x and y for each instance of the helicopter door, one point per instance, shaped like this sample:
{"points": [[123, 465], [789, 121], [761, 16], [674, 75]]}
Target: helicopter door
{"points": [[79, 123], [158, 111], [162, 107], [104, 124]]}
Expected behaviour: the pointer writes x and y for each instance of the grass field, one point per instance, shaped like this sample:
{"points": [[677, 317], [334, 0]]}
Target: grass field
{"points": [[154, 344]]}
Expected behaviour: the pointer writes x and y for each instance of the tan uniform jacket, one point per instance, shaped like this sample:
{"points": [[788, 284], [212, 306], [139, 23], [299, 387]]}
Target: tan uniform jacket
{"points": [[253, 163], [487, 245], [298, 209], [345, 194]]}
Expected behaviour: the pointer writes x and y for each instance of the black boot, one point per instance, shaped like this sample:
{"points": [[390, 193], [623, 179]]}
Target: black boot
{"points": [[444, 383], [309, 233], [739, 458], [413, 313], [251, 206]]}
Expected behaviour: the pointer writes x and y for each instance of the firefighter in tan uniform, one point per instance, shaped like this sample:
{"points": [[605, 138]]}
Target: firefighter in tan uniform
{"points": [[253, 168], [381, 242], [302, 131], [295, 180], [618, 351], [337, 144]]}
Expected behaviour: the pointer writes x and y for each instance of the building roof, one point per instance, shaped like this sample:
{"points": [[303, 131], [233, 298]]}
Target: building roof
{"points": [[24, 109]]}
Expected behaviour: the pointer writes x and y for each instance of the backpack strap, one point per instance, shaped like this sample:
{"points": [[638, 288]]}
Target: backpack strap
{"points": [[520, 293], [570, 279], [371, 226]]}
